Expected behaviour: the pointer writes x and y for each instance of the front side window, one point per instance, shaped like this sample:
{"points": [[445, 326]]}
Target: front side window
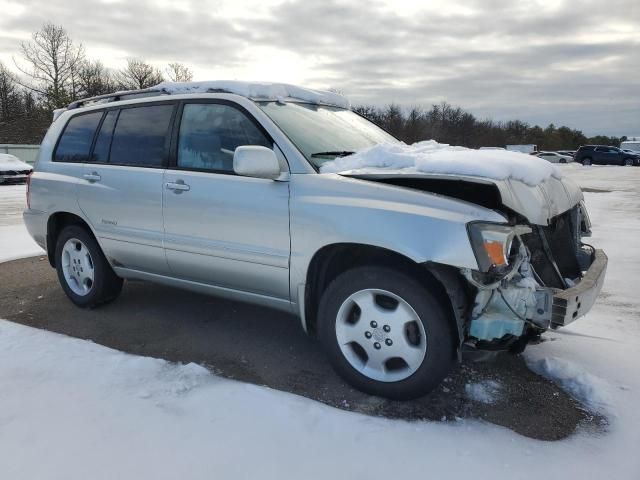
{"points": [[77, 137], [210, 133], [140, 136]]}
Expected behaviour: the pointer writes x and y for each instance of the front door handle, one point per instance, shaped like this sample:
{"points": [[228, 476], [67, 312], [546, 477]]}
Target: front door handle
{"points": [[92, 177], [178, 186]]}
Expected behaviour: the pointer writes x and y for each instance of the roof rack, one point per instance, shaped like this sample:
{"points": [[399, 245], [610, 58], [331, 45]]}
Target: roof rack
{"points": [[114, 97]]}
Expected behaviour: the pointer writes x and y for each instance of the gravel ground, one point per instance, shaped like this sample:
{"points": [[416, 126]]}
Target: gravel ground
{"points": [[267, 347]]}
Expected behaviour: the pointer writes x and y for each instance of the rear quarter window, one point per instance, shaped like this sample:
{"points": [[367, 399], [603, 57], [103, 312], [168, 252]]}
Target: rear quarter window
{"points": [[75, 142]]}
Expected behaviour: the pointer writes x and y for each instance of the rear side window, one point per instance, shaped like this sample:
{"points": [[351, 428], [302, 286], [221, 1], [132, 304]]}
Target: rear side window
{"points": [[140, 136], [76, 139]]}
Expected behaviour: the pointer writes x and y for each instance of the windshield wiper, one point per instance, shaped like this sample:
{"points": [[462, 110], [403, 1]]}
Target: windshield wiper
{"points": [[340, 153]]}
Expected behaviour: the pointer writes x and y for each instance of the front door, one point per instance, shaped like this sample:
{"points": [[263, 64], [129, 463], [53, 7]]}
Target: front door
{"points": [[220, 228]]}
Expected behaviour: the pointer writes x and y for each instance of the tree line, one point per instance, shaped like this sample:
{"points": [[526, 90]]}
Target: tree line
{"points": [[455, 126], [52, 71]]}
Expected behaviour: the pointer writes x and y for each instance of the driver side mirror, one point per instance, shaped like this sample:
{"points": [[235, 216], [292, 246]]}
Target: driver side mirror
{"points": [[256, 161]]}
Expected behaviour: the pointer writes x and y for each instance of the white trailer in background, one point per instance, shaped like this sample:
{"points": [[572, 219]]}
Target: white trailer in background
{"points": [[26, 153], [530, 148], [631, 144]]}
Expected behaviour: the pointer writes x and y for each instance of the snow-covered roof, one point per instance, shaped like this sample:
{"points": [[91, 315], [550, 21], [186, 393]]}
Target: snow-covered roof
{"points": [[439, 158], [257, 91]]}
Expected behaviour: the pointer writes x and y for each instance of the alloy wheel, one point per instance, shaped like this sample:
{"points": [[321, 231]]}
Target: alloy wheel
{"points": [[381, 335], [77, 266]]}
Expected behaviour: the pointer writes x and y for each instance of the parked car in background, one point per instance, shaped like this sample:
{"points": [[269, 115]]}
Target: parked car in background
{"points": [[570, 153], [12, 169], [554, 157], [605, 155], [633, 145], [529, 148]]}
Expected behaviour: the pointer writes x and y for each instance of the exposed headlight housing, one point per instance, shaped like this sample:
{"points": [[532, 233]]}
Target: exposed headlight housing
{"points": [[492, 242]]}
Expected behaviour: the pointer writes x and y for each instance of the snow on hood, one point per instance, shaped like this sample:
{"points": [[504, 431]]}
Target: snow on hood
{"points": [[257, 91], [439, 158]]}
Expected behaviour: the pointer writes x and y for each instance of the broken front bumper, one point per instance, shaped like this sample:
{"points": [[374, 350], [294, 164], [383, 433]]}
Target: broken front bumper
{"points": [[574, 302]]}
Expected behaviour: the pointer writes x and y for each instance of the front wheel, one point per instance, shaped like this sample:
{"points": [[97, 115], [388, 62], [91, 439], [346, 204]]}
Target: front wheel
{"points": [[586, 162], [628, 162], [83, 271], [386, 333]]}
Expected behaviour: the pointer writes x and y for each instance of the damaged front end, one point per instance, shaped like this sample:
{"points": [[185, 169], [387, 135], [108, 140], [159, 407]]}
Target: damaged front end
{"points": [[530, 278]]}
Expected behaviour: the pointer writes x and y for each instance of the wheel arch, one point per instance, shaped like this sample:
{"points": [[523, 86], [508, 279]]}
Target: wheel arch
{"points": [[55, 223], [332, 260]]}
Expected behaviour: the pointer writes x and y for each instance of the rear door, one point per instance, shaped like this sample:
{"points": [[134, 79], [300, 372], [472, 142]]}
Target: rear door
{"points": [[220, 228], [70, 154], [121, 189]]}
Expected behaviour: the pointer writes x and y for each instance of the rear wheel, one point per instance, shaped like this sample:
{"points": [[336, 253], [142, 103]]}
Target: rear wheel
{"points": [[385, 333], [83, 271]]}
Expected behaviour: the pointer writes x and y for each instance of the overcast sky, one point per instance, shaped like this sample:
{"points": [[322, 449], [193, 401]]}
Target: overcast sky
{"points": [[575, 62]]}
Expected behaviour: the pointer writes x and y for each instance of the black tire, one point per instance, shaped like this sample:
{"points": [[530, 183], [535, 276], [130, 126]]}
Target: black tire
{"points": [[439, 336], [628, 162], [106, 285], [586, 161]]}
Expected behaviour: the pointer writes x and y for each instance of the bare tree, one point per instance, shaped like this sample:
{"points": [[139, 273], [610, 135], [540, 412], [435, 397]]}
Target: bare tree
{"points": [[138, 74], [52, 62], [94, 79], [10, 96], [178, 72]]}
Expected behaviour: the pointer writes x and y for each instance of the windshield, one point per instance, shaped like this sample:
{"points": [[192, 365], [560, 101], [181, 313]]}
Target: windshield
{"points": [[322, 133]]}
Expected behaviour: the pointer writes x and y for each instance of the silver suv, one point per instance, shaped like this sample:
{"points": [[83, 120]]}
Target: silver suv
{"points": [[219, 190]]}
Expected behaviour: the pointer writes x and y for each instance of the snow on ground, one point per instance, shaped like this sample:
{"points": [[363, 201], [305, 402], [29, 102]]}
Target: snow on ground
{"points": [[487, 391], [15, 241], [71, 409], [433, 157]]}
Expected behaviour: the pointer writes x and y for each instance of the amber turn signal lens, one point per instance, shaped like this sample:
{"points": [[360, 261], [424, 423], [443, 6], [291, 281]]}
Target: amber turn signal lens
{"points": [[495, 252]]}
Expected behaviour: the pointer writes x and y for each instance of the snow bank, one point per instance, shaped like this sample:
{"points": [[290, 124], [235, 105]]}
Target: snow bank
{"points": [[582, 385], [439, 158], [15, 243], [75, 410], [258, 91]]}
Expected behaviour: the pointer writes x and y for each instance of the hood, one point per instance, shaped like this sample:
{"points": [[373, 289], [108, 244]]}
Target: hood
{"points": [[537, 203]]}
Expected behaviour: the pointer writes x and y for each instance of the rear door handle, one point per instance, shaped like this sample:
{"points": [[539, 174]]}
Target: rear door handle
{"points": [[178, 186], [92, 177]]}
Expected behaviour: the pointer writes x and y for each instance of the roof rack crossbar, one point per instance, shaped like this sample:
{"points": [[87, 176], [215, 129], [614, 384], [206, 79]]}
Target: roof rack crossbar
{"points": [[114, 97]]}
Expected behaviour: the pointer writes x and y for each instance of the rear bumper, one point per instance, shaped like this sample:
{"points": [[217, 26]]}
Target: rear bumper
{"points": [[574, 302], [35, 221]]}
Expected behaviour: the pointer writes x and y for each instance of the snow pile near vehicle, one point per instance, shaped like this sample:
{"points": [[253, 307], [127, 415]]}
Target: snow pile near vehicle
{"points": [[582, 385], [257, 91], [439, 158]]}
